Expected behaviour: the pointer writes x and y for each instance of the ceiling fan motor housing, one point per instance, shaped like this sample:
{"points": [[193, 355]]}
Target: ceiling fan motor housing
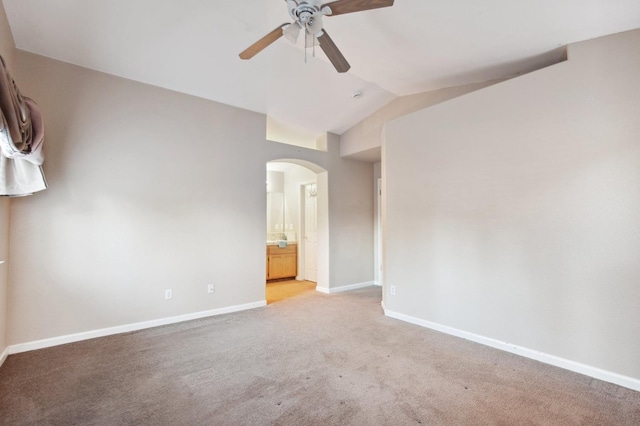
{"points": [[308, 14], [304, 10]]}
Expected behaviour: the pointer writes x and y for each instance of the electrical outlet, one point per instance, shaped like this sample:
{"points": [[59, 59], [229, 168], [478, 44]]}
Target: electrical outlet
{"points": [[211, 289], [168, 294], [392, 290]]}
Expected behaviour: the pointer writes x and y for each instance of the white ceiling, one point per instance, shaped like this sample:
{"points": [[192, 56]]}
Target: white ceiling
{"points": [[192, 46]]}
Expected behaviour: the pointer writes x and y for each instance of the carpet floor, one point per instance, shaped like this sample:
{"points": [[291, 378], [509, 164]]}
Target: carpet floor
{"points": [[311, 360]]}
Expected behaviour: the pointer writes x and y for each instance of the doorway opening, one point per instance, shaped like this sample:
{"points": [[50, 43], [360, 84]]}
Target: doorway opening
{"points": [[297, 229]]}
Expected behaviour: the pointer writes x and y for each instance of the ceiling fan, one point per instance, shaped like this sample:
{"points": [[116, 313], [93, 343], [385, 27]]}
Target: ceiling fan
{"points": [[307, 15]]}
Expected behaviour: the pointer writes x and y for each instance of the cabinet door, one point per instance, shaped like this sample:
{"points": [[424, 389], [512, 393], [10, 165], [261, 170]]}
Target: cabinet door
{"points": [[290, 262], [282, 266], [276, 267]]}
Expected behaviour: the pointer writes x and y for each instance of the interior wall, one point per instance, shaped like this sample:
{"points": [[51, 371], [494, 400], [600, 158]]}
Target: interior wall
{"points": [[4, 255], [350, 209], [365, 138], [7, 49], [148, 190], [512, 212], [151, 189], [285, 133], [350, 220]]}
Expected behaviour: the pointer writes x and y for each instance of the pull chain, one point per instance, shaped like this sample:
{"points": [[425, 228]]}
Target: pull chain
{"points": [[305, 45]]}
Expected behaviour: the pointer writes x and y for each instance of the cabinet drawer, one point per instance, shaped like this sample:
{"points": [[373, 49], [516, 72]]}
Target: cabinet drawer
{"points": [[290, 249]]}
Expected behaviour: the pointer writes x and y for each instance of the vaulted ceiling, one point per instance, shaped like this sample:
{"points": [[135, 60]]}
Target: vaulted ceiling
{"points": [[192, 46]]}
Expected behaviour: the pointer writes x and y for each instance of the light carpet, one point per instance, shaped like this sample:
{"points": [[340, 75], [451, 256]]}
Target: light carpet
{"points": [[313, 360]]}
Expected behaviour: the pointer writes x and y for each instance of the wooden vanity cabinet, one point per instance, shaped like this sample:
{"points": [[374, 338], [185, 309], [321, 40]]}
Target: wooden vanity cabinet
{"points": [[282, 262]]}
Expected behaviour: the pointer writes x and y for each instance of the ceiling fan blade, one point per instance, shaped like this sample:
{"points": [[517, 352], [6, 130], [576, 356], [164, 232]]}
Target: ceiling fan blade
{"points": [[263, 43], [331, 50], [341, 7]]}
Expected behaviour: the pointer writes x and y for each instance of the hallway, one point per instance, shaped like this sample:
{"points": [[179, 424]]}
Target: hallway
{"points": [[278, 291]]}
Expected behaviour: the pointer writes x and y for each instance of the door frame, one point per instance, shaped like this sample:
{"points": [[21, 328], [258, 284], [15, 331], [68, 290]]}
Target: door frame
{"points": [[302, 247], [378, 235], [322, 181]]}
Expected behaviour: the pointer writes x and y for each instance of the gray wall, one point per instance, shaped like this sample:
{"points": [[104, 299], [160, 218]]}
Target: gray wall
{"points": [[364, 140], [512, 212], [7, 50], [151, 189]]}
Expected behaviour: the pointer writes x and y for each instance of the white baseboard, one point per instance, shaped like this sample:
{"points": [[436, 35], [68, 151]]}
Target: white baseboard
{"points": [[587, 370], [334, 290], [3, 356], [86, 335]]}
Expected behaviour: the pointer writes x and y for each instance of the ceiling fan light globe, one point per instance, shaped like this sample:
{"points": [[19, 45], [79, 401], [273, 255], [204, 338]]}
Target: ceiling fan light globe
{"points": [[315, 24], [292, 32]]}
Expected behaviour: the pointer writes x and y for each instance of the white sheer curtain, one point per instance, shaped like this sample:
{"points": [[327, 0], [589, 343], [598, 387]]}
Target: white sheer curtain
{"points": [[21, 140]]}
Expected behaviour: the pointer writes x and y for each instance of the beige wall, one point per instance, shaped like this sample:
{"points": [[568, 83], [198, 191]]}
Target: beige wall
{"points": [[364, 140], [512, 212], [7, 46], [151, 189], [7, 50]]}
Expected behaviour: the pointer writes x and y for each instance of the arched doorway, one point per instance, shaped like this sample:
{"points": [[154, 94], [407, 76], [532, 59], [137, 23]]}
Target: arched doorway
{"points": [[297, 227]]}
